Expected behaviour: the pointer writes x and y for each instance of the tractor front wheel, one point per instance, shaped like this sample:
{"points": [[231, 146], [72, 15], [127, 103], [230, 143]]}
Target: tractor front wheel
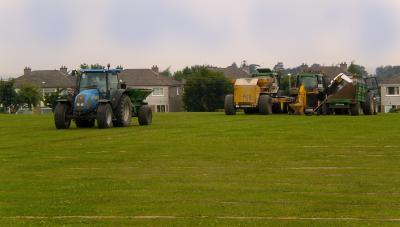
{"points": [[265, 104], [104, 116], [61, 119], [145, 116], [355, 109], [369, 105], [229, 106], [123, 113]]}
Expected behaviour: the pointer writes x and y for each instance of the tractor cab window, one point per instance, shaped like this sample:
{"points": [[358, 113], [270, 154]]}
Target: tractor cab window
{"points": [[309, 81], [113, 81], [93, 81]]}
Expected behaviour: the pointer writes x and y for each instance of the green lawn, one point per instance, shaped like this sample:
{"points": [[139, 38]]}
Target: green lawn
{"points": [[203, 168]]}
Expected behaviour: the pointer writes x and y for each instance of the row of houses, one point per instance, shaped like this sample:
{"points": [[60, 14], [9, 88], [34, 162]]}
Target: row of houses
{"points": [[166, 96], [167, 92]]}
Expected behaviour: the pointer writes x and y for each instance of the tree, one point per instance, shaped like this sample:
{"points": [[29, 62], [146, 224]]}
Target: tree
{"points": [[385, 72], [50, 99], [188, 72], [30, 95], [357, 69], [167, 72], [8, 95], [205, 90], [92, 66]]}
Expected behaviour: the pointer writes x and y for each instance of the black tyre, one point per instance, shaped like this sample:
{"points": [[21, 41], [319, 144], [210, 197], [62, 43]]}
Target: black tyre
{"points": [[123, 112], [229, 105], [84, 123], [355, 109], [324, 110], [265, 105], [369, 105], [104, 116], [61, 119], [145, 116]]}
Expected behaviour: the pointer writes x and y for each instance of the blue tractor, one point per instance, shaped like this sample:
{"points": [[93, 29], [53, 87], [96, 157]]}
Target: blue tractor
{"points": [[100, 96]]}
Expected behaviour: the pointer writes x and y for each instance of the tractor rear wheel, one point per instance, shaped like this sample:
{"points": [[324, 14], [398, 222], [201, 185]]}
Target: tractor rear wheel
{"points": [[265, 104], [123, 112], [61, 119], [104, 116], [84, 123], [369, 105], [145, 116], [229, 105], [355, 109]]}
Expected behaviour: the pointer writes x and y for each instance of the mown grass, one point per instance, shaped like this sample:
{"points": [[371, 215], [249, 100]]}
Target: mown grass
{"points": [[203, 169]]}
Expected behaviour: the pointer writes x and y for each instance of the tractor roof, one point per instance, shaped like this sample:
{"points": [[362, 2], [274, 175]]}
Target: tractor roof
{"points": [[112, 71]]}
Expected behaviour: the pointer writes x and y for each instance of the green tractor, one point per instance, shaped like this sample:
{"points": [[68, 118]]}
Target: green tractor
{"points": [[102, 97], [354, 95], [310, 90]]}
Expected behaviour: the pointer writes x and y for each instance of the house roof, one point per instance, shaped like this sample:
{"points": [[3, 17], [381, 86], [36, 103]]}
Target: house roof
{"points": [[391, 80], [329, 71], [146, 77], [46, 79], [231, 72]]}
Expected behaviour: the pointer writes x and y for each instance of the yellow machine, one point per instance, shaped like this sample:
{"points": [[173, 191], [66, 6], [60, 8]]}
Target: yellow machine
{"points": [[256, 94]]}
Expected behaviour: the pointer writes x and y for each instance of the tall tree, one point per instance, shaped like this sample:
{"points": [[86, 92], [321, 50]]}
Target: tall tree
{"points": [[167, 72], [357, 69], [8, 95], [50, 99], [188, 72], [205, 90], [30, 95]]}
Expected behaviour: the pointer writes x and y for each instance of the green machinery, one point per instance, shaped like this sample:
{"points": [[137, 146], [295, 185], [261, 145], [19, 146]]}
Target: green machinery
{"points": [[352, 95]]}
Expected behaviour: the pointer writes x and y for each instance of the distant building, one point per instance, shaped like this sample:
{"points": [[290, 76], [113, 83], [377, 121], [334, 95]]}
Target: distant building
{"points": [[331, 72], [390, 94], [232, 72], [48, 81], [167, 92]]}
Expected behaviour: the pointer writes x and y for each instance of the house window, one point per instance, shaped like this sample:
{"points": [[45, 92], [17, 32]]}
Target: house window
{"points": [[158, 91], [392, 91], [177, 91], [161, 108]]}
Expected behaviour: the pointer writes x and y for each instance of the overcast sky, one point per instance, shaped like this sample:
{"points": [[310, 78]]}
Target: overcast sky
{"points": [[45, 34]]}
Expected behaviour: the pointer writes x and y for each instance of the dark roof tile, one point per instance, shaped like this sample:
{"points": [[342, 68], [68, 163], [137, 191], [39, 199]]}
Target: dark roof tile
{"points": [[146, 77], [46, 79]]}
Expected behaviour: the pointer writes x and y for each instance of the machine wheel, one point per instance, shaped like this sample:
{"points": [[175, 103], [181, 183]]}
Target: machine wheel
{"points": [[355, 109], [324, 110], [369, 105], [229, 106], [123, 112], [145, 115], [61, 116], [104, 116], [84, 123], [265, 104]]}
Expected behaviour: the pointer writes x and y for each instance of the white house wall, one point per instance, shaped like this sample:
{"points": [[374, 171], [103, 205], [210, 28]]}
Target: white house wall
{"points": [[388, 101]]}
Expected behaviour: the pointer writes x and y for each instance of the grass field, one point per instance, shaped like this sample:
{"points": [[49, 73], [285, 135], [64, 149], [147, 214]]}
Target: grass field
{"points": [[203, 169]]}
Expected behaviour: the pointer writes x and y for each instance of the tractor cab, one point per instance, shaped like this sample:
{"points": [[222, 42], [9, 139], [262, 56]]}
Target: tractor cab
{"points": [[103, 80], [309, 89]]}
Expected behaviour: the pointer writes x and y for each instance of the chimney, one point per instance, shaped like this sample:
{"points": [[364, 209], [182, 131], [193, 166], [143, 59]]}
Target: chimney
{"points": [[27, 71], [64, 70], [154, 68], [343, 66]]}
